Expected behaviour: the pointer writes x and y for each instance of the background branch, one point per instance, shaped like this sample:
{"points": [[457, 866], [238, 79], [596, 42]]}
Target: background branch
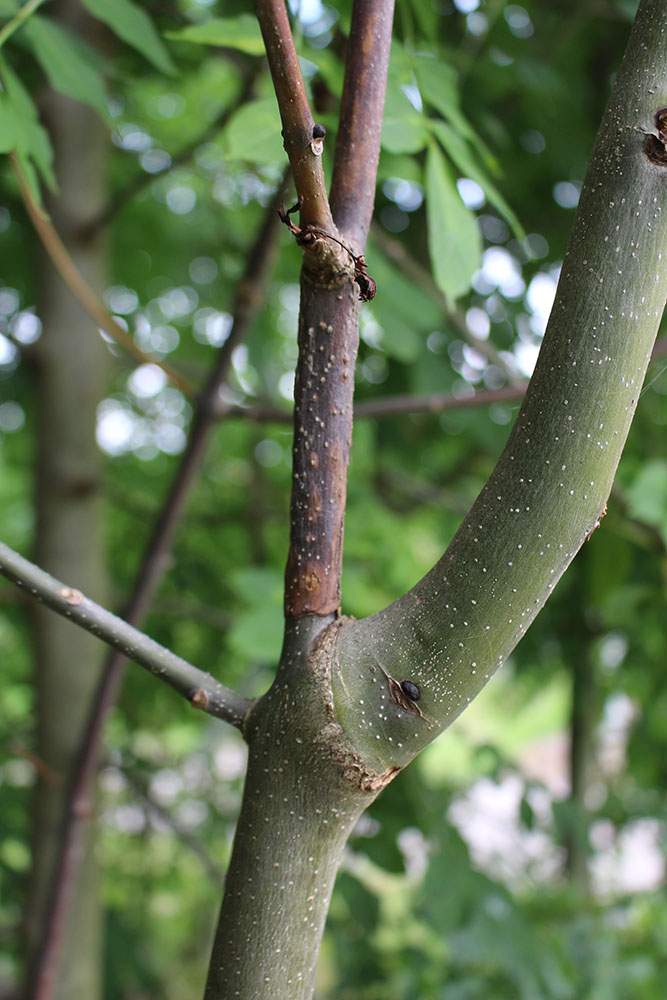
{"points": [[142, 179], [80, 289]]}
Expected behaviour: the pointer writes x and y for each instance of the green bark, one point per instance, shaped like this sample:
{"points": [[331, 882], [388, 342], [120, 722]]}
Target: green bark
{"points": [[452, 631], [336, 727]]}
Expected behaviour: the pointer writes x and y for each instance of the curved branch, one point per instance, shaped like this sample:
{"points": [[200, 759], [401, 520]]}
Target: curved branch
{"points": [[81, 291], [362, 106], [549, 490], [201, 689], [297, 120]]}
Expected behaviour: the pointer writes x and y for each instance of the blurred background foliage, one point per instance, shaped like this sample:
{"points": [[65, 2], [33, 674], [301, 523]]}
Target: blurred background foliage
{"points": [[499, 864]]}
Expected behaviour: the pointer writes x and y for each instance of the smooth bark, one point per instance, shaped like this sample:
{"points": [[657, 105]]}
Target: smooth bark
{"points": [[69, 367]]}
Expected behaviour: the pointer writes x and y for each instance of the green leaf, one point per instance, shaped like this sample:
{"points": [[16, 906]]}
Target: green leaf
{"points": [[29, 140], [454, 240], [403, 128], [439, 87], [647, 496], [460, 152], [7, 138], [131, 23], [253, 133], [67, 63], [240, 33]]}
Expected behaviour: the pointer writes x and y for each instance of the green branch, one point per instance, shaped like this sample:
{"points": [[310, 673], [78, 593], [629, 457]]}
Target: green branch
{"points": [[201, 689], [22, 15], [549, 490]]}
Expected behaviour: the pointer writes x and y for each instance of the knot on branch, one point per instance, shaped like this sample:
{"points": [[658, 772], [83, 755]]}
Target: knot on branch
{"points": [[655, 143], [307, 237]]}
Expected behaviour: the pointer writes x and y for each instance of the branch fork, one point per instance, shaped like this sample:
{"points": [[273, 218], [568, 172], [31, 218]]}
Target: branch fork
{"points": [[308, 235]]}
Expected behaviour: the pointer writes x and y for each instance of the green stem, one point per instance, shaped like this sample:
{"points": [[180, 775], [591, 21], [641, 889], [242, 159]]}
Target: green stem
{"points": [[22, 15]]}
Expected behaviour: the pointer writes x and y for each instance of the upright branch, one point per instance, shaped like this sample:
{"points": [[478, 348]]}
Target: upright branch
{"points": [[333, 279], [302, 147], [360, 125], [549, 489]]}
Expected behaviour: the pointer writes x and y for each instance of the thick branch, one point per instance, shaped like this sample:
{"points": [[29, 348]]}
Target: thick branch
{"points": [[362, 106], [303, 152], [549, 489], [200, 688]]}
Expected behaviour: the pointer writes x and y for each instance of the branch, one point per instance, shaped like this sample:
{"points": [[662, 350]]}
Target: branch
{"points": [[201, 689], [303, 148], [79, 288], [386, 406], [360, 125], [548, 492], [22, 15]]}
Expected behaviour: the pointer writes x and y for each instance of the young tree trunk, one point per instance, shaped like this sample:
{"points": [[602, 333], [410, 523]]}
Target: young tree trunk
{"points": [[338, 723], [69, 367]]}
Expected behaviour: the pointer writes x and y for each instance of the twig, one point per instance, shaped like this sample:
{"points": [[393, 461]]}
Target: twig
{"points": [[142, 790], [412, 269], [362, 104], [200, 688], [79, 288], [302, 145], [387, 406], [22, 15]]}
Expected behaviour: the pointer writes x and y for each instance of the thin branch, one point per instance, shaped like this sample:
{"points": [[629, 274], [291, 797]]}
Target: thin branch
{"points": [[142, 179], [413, 270], [248, 301], [200, 688], [140, 787], [387, 406], [79, 288], [22, 15], [360, 125], [303, 147]]}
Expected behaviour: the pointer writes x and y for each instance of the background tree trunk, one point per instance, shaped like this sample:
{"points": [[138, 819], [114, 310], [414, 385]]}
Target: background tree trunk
{"points": [[70, 365]]}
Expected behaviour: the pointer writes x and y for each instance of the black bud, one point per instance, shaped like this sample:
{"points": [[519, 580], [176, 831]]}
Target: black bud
{"points": [[411, 690], [319, 131]]}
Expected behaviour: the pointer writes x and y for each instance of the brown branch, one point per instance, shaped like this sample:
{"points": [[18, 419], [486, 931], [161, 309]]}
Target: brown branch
{"points": [[78, 804], [142, 179], [80, 289], [387, 406], [302, 145], [360, 125]]}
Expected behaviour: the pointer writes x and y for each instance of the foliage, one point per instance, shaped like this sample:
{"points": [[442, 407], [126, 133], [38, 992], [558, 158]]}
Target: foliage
{"points": [[491, 110]]}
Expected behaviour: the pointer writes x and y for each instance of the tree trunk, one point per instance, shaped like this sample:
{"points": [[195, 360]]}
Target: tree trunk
{"points": [[355, 701], [70, 366]]}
